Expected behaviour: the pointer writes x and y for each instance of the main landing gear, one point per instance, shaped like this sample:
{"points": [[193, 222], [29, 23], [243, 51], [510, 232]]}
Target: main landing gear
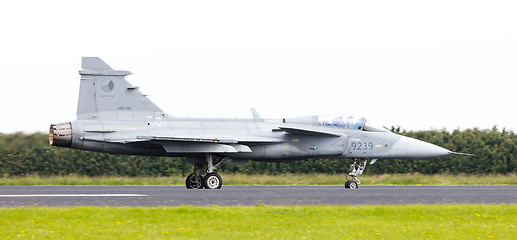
{"points": [[211, 180], [355, 169]]}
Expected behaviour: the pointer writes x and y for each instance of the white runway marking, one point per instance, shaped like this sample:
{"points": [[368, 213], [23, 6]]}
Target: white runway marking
{"points": [[75, 195]]}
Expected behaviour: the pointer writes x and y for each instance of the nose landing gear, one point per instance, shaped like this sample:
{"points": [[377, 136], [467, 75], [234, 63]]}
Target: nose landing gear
{"points": [[355, 169]]}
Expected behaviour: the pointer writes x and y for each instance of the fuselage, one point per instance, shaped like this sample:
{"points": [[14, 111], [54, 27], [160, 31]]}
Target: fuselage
{"points": [[265, 139]]}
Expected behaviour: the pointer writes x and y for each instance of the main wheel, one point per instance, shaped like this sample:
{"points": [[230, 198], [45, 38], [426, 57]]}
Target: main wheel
{"points": [[353, 185], [212, 181], [194, 181]]}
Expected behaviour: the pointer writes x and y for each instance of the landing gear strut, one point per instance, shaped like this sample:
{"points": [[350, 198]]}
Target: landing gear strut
{"points": [[211, 180], [355, 169]]}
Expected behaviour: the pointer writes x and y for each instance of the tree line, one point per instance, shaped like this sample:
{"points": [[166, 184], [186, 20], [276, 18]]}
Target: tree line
{"points": [[493, 149]]}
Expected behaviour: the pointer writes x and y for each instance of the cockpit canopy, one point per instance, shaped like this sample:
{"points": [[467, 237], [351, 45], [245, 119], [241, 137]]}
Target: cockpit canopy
{"points": [[339, 121], [349, 122]]}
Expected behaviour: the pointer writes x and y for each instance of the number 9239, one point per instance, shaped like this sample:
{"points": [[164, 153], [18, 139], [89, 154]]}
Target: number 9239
{"points": [[361, 146]]}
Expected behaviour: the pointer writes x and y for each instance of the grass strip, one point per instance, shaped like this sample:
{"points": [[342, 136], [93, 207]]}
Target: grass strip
{"points": [[281, 179], [262, 222]]}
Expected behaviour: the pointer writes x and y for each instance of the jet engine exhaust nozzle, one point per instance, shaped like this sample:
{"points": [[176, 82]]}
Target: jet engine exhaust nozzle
{"points": [[60, 134]]}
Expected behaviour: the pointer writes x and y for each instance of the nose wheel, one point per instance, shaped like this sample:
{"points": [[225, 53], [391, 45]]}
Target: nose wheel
{"points": [[351, 184], [355, 170]]}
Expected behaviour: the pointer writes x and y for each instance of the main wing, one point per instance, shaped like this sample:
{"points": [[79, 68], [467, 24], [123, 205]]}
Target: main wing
{"points": [[195, 144], [209, 143]]}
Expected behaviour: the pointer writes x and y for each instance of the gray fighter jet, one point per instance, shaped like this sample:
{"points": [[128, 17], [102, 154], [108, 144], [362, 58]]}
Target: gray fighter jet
{"points": [[113, 116]]}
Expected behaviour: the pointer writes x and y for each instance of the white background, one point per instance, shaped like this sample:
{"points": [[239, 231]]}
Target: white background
{"points": [[417, 64]]}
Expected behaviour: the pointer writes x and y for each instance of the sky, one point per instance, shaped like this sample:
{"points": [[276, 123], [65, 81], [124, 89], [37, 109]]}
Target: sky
{"points": [[419, 65]]}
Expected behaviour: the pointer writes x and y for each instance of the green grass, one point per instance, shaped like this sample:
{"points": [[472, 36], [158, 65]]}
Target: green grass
{"points": [[262, 222], [282, 179]]}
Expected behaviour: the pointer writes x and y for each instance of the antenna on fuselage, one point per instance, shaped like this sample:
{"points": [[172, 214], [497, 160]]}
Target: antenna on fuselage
{"points": [[255, 114]]}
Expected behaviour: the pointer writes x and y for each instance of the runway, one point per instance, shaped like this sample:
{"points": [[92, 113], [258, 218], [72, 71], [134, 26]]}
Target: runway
{"points": [[15, 196]]}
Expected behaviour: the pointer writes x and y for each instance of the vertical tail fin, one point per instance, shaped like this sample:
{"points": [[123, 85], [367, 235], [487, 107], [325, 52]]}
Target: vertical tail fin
{"points": [[106, 94]]}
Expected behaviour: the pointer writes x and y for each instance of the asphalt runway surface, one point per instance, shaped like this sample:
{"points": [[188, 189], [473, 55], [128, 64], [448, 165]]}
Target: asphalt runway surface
{"points": [[15, 196]]}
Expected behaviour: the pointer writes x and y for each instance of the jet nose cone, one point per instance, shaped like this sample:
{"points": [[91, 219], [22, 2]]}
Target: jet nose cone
{"points": [[407, 147]]}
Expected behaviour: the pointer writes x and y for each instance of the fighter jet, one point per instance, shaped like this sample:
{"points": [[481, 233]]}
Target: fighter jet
{"points": [[113, 116]]}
